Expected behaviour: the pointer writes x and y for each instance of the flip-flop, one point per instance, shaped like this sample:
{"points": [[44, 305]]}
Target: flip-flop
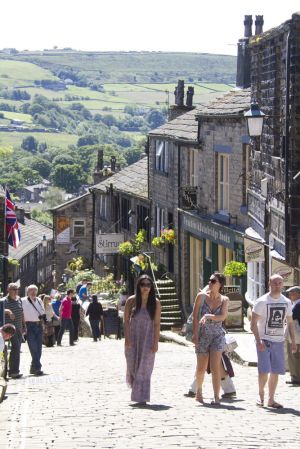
{"points": [[214, 402], [275, 405], [259, 403]]}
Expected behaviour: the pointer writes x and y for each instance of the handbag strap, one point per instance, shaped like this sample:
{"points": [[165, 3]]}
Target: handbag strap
{"points": [[38, 311]]}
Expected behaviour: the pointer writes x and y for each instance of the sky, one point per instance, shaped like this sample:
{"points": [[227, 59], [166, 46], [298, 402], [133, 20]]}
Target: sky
{"points": [[208, 26]]}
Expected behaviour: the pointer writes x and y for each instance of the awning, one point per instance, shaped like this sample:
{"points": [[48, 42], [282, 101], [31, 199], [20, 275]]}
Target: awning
{"points": [[252, 234]]}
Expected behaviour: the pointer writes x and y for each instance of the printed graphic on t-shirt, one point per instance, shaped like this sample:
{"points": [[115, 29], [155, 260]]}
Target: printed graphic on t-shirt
{"points": [[275, 319]]}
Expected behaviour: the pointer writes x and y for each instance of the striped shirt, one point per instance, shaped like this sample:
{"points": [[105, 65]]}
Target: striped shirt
{"points": [[15, 305]]}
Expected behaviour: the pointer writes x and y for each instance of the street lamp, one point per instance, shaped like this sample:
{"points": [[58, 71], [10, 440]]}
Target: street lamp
{"points": [[255, 120]]}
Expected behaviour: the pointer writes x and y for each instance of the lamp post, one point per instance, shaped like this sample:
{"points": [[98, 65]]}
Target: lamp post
{"points": [[44, 241], [255, 120]]}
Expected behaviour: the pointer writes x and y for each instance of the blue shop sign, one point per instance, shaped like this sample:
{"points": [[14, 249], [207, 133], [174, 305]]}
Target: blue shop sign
{"points": [[205, 229]]}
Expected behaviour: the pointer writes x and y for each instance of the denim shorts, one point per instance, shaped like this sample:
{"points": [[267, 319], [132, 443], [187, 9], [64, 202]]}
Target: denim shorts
{"points": [[271, 360]]}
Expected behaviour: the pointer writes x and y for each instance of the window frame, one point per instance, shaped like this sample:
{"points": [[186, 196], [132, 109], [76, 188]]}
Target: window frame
{"points": [[162, 156], [76, 226], [223, 183]]}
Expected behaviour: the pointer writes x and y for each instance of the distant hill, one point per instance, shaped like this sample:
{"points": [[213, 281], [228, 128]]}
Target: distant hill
{"points": [[132, 67]]}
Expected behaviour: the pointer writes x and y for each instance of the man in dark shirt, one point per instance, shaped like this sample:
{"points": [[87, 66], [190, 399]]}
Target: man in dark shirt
{"points": [[75, 317], [14, 315], [95, 313]]}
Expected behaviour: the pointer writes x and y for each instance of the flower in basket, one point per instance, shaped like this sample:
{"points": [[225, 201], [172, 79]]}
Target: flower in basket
{"points": [[168, 235], [158, 242]]}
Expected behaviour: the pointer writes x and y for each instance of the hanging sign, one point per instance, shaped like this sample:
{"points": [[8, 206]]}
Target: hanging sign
{"points": [[254, 251], [284, 270]]}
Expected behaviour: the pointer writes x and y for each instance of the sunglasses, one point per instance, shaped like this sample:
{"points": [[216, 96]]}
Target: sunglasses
{"points": [[213, 281], [146, 284]]}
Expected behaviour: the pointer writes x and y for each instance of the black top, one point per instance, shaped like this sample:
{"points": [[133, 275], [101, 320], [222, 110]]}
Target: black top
{"points": [[75, 311], [296, 312], [95, 311]]}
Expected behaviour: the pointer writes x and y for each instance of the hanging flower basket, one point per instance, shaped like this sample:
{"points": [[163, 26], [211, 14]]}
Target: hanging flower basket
{"points": [[235, 268]]}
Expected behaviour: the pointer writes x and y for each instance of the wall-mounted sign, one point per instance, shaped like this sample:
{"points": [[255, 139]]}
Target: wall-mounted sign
{"points": [[256, 207], [108, 243], [234, 318], [205, 229], [254, 251], [287, 272], [63, 230]]}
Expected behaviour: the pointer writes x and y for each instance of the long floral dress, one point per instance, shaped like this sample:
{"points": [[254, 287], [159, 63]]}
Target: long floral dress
{"points": [[140, 357]]}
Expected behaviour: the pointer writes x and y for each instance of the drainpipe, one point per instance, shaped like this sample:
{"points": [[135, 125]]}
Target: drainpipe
{"points": [[93, 226], [287, 143], [182, 305]]}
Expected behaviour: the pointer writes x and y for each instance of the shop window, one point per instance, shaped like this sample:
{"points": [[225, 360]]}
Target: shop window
{"points": [[208, 252], [78, 228], [159, 220], [161, 155], [223, 183]]}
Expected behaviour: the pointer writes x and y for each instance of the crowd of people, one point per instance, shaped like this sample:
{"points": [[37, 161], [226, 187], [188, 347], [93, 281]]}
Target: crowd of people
{"points": [[275, 320], [41, 319]]}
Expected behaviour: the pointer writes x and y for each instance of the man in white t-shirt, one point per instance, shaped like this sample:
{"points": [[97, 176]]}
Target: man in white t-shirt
{"points": [[270, 313]]}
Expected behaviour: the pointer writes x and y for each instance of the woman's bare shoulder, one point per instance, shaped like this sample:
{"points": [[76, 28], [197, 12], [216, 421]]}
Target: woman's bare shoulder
{"points": [[131, 299], [224, 298]]}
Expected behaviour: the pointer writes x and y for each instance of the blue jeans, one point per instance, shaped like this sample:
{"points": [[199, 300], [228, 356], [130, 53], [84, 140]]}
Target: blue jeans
{"points": [[66, 324], [95, 325], [35, 341]]}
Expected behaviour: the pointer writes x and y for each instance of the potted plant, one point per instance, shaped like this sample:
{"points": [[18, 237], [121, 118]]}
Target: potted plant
{"points": [[235, 269]]}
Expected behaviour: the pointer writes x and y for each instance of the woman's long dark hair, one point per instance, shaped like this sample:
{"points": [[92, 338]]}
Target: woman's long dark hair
{"points": [[221, 278], [151, 303]]}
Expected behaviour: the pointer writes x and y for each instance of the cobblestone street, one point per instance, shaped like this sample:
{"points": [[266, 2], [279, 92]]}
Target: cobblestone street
{"points": [[83, 402]]}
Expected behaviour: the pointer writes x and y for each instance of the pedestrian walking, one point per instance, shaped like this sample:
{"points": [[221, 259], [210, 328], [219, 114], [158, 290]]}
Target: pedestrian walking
{"points": [[14, 315], [56, 303], [141, 327], [209, 313], [270, 313], [294, 357], [76, 317], [34, 316], [95, 314], [65, 313], [48, 330]]}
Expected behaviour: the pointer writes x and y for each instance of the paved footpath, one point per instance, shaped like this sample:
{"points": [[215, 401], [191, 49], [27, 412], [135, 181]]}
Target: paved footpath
{"points": [[83, 402]]}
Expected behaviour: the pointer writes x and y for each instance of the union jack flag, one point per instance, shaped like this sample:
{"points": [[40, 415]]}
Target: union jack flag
{"points": [[12, 225]]}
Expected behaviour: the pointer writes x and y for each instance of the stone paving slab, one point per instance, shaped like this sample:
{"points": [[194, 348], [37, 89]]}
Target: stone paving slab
{"points": [[83, 402]]}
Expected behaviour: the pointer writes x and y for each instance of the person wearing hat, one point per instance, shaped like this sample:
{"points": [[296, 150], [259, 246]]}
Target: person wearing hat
{"points": [[294, 358]]}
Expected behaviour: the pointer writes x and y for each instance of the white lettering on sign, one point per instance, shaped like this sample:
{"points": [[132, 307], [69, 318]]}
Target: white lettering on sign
{"points": [[108, 243]]}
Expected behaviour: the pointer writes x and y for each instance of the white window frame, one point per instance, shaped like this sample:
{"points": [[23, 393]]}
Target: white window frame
{"points": [[160, 220], [193, 168], [162, 156], [223, 183], [103, 206], [75, 224], [255, 281]]}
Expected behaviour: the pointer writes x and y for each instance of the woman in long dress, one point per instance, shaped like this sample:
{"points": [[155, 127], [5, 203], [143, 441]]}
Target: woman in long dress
{"points": [[141, 328]]}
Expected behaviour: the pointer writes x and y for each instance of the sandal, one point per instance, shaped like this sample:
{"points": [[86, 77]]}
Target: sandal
{"points": [[275, 405], [260, 402], [215, 402]]}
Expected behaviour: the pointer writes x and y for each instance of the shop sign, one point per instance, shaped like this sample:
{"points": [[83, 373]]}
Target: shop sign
{"points": [[254, 251], [108, 243], [234, 318], [63, 230], [211, 231], [256, 207], [284, 270]]}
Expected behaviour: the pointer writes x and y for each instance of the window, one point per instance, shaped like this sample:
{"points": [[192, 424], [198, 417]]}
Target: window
{"points": [[223, 183], [193, 168], [125, 208], [159, 220], [246, 172], [208, 249], [103, 207], [161, 155], [78, 228], [143, 220], [255, 281]]}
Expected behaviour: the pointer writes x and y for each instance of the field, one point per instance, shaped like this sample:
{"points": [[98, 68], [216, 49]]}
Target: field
{"points": [[17, 116], [15, 138], [19, 74]]}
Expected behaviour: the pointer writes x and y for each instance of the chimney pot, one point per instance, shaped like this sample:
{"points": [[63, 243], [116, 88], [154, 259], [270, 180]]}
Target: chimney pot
{"points": [[248, 26], [259, 23]]}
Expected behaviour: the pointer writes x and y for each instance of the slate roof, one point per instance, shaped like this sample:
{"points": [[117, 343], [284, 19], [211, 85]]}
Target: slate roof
{"points": [[185, 127], [67, 203], [132, 180], [31, 236]]}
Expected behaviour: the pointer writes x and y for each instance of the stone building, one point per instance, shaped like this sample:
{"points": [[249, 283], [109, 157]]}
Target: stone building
{"points": [[198, 185], [274, 187]]}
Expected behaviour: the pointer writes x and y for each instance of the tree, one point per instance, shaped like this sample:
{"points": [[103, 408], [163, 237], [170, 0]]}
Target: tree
{"points": [[87, 140], [53, 197], [68, 177], [63, 159], [30, 144], [155, 118], [30, 176], [42, 166]]}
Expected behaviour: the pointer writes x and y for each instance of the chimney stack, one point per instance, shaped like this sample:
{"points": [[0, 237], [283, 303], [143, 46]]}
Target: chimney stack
{"points": [[189, 96], [179, 107], [113, 163], [259, 23], [248, 26], [179, 93], [99, 160]]}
